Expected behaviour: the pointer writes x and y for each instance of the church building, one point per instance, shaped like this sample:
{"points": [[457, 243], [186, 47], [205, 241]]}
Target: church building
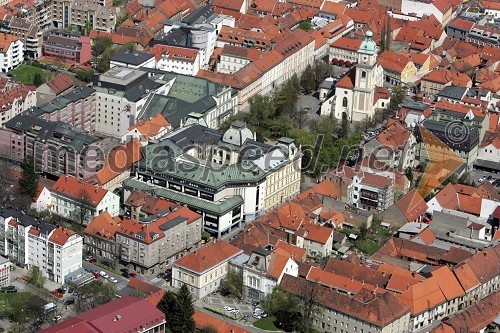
{"points": [[360, 92]]}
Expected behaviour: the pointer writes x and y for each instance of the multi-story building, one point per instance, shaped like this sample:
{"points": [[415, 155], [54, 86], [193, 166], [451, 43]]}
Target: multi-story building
{"points": [[204, 269], [126, 313], [466, 146], [133, 59], [488, 156], [433, 82], [227, 177], [365, 311], [234, 58], [11, 52], [80, 201], [14, 99], [397, 68], [67, 47], [75, 108], [30, 241], [100, 238], [192, 97], [29, 33], [264, 270], [370, 191], [83, 14], [56, 149], [4, 272], [121, 93], [153, 242], [394, 147], [344, 51], [175, 59]]}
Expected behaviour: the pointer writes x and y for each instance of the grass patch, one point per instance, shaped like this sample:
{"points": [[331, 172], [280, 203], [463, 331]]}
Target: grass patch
{"points": [[266, 324], [26, 74], [7, 299], [368, 246], [106, 267]]}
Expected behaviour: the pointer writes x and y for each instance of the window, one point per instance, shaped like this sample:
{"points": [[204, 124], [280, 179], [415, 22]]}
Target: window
{"points": [[363, 74], [344, 102]]}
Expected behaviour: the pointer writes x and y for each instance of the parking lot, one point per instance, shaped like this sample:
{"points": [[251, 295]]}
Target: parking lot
{"points": [[478, 175], [246, 310]]}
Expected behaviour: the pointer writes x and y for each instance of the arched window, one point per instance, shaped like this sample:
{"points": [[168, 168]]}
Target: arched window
{"points": [[344, 102]]}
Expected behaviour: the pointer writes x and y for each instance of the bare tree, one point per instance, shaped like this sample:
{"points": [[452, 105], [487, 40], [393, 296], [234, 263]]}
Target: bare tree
{"points": [[309, 298]]}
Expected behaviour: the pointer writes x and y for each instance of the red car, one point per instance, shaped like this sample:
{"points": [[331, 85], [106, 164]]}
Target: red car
{"points": [[132, 274], [96, 275]]}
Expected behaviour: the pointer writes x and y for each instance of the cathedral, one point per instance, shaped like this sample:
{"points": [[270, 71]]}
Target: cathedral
{"points": [[360, 92]]}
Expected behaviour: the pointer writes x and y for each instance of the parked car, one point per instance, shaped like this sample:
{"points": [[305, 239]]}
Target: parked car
{"points": [[256, 316], [56, 318], [132, 274], [235, 311], [124, 270], [69, 301], [90, 259], [112, 279], [96, 275], [104, 274]]}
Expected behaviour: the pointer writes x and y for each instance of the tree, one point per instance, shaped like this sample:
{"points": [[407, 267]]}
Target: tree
{"points": [[28, 182], [85, 76], [205, 235], [452, 178], [92, 295], [307, 79], [26, 312], [409, 174], [179, 309], [36, 277], [397, 97], [284, 307], [232, 284], [37, 79], [100, 45], [363, 231], [309, 308], [344, 129], [262, 110], [321, 70], [305, 25]]}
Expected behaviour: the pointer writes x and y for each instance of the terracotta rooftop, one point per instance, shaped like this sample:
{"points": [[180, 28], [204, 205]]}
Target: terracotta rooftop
{"points": [[423, 296], [462, 24], [393, 61], [79, 190], [346, 43], [357, 272], [151, 127], [380, 311], [120, 160], [204, 320], [209, 256], [412, 205], [60, 83], [182, 54], [297, 253], [61, 235], [103, 226], [317, 233], [6, 40], [256, 235]]}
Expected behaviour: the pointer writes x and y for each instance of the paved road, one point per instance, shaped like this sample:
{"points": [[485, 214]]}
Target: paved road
{"points": [[475, 175]]}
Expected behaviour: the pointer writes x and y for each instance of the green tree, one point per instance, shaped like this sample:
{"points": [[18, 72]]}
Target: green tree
{"points": [[262, 110], [232, 284], [453, 178], [37, 79], [307, 79], [100, 45], [36, 277], [363, 231], [322, 70], [179, 309], [285, 307], [26, 312], [397, 97], [344, 128], [28, 182], [409, 174], [305, 25], [92, 295], [85, 76], [205, 235]]}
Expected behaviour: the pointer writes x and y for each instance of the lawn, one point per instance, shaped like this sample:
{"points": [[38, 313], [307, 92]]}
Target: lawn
{"points": [[266, 324], [368, 246], [26, 73]]}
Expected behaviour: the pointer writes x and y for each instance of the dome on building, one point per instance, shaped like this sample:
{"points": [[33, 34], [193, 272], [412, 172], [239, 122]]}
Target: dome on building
{"points": [[368, 46], [237, 134]]}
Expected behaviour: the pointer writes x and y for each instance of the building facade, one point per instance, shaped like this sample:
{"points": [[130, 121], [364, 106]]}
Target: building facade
{"points": [[11, 52], [67, 47]]}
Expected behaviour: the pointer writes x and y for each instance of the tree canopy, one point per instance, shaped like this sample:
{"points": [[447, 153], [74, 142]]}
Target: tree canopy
{"points": [[232, 284], [28, 182], [179, 309]]}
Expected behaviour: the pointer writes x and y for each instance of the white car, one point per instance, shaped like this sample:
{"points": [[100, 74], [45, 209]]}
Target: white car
{"points": [[56, 318], [235, 311], [228, 308], [481, 179], [112, 279], [103, 274], [256, 316]]}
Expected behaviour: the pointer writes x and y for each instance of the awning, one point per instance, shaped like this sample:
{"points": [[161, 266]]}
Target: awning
{"points": [[341, 62], [488, 164], [348, 64], [335, 61]]}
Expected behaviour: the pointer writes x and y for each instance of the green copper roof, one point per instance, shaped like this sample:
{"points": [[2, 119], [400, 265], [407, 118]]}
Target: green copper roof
{"points": [[219, 207], [368, 46]]}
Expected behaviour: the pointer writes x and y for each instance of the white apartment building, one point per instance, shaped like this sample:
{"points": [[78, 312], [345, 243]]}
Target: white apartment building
{"points": [[488, 155], [180, 60], [14, 99], [370, 191], [4, 272], [56, 252], [29, 241], [234, 58], [11, 52], [121, 93], [81, 201]]}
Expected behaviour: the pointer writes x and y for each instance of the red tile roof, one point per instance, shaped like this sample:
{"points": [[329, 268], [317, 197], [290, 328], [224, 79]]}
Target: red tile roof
{"points": [[296, 253], [346, 43], [357, 272], [277, 263], [79, 190], [204, 320], [462, 24], [338, 282], [209, 256], [236, 5], [148, 203], [447, 282], [380, 311], [332, 7], [256, 235], [182, 54], [423, 296], [317, 233], [103, 226], [151, 127], [60, 83], [412, 205]]}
